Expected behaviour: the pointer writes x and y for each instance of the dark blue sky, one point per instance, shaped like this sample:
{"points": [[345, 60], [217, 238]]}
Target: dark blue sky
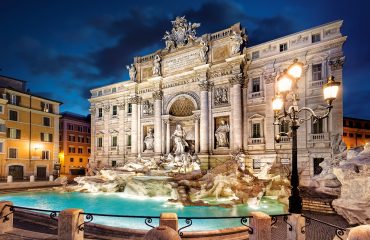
{"points": [[65, 48]]}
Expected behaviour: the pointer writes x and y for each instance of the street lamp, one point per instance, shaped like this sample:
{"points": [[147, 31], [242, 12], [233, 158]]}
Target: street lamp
{"points": [[288, 89]]}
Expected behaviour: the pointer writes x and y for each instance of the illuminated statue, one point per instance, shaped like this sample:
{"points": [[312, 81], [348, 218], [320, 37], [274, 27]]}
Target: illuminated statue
{"points": [[179, 140], [222, 131]]}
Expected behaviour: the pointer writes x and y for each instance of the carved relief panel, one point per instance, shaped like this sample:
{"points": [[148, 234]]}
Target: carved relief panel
{"points": [[221, 95]]}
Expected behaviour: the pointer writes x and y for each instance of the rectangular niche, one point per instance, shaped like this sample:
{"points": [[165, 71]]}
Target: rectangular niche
{"points": [[222, 133], [148, 138]]}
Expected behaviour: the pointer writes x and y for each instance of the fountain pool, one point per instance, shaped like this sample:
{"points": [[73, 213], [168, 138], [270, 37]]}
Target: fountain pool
{"points": [[121, 204]]}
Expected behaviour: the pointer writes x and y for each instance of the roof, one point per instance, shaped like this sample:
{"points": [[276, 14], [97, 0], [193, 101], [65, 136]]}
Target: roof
{"points": [[356, 119], [31, 94], [76, 116]]}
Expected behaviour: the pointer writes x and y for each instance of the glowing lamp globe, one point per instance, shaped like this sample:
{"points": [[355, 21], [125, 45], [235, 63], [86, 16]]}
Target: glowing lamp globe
{"points": [[277, 103], [331, 90], [284, 83], [296, 69]]}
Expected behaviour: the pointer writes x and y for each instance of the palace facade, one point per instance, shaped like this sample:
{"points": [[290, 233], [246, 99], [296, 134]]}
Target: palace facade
{"points": [[220, 92]]}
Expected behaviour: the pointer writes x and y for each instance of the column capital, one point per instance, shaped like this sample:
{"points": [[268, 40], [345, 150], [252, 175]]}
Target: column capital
{"points": [[236, 79], [196, 117], [158, 95], [336, 63], [269, 77], [205, 85], [121, 105], [134, 99], [106, 107], [92, 110]]}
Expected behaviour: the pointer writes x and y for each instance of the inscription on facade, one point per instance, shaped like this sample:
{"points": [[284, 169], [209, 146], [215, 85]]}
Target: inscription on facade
{"points": [[180, 62]]}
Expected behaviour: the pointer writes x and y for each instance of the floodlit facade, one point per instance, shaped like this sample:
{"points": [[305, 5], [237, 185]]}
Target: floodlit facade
{"points": [[29, 130], [356, 132], [218, 91], [74, 143]]}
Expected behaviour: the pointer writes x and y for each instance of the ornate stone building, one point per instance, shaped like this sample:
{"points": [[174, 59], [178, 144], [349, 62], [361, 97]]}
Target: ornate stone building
{"points": [[219, 91]]}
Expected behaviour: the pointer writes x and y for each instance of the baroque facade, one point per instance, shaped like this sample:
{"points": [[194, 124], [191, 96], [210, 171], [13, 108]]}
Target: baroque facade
{"points": [[219, 91]]}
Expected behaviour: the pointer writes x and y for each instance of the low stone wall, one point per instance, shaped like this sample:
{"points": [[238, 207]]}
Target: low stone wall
{"points": [[27, 185]]}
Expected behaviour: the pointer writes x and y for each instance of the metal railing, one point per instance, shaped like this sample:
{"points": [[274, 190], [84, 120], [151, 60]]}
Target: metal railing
{"points": [[339, 231], [52, 213]]}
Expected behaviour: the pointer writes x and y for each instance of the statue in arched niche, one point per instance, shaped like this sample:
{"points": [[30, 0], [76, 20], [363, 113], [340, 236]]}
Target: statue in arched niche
{"points": [[179, 140]]}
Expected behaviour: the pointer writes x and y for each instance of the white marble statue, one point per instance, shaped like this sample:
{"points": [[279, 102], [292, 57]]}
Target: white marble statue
{"points": [[236, 43], [132, 72], [222, 139], [157, 66], [203, 52], [149, 140], [148, 108], [179, 140]]}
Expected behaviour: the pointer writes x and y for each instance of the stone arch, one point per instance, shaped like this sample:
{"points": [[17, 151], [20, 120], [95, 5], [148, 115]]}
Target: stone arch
{"points": [[187, 97]]}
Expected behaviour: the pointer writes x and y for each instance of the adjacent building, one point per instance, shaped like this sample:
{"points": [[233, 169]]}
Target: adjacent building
{"points": [[29, 130], [356, 132], [74, 143], [218, 91]]}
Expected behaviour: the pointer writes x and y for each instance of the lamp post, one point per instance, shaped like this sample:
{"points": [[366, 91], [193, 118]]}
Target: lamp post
{"points": [[288, 92]]}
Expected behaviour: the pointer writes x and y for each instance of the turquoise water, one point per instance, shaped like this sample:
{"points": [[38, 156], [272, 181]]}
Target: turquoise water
{"points": [[117, 203]]}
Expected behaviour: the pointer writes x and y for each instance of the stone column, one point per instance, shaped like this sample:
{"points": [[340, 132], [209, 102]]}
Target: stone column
{"points": [[196, 134], [297, 222], [237, 111], [204, 116], [168, 136], [157, 96], [134, 124], [68, 222], [6, 224]]}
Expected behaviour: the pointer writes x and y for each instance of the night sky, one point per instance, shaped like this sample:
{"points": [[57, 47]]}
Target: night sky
{"points": [[65, 48]]}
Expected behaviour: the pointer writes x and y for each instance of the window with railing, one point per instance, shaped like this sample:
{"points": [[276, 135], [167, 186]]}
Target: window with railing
{"points": [[13, 115], [317, 72], [317, 126], [256, 130], [13, 153], [100, 142]]}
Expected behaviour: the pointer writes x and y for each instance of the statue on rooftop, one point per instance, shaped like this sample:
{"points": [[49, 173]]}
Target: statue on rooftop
{"points": [[132, 72]]}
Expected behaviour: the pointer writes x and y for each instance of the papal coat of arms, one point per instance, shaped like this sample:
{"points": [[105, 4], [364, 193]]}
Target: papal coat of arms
{"points": [[182, 32]]}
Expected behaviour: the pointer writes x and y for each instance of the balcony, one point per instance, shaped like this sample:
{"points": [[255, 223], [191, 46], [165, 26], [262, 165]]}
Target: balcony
{"points": [[285, 139], [256, 141], [317, 84], [318, 137], [255, 95]]}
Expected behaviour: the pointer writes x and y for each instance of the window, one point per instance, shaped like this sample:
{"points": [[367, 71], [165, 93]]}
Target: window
{"points": [[45, 155], [2, 128], [79, 128], [81, 159], [284, 127], [359, 135], [283, 47], [114, 141], [80, 150], [317, 126], [1, 147], [344, 134], [71, 149], [71, 160], [114, 90], [13, 115], [88, 150], [114, 110], [100, 93], [100, 112], [255, 55], [350, 124], [87, 140], [46, 137], [80, 139], [256, 128], [13, 153], [114, 163], [46, 121], [1, 109], [46, 107], [71, 138], [14, 99], [351, 135], [317, 169], [367, 136], [256, 164], [14, 133], [100, 142], [317, 72], [256, 85], [315, 38], [128, 140], [88, 130], [70, 127], [129, 108]]}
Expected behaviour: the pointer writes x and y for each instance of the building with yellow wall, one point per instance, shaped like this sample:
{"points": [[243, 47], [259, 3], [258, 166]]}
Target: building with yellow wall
{"points": [[74, 143], [29, 131], [356, 132]]}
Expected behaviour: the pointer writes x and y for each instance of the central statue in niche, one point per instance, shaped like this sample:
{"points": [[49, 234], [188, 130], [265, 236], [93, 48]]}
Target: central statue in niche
{"points": [[179, 140]]}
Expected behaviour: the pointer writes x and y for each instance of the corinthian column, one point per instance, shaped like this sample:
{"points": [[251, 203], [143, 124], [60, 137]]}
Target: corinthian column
{"points": [[157, 95], [134, 100], [204, 116], [236, 110], [196, 134]]}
